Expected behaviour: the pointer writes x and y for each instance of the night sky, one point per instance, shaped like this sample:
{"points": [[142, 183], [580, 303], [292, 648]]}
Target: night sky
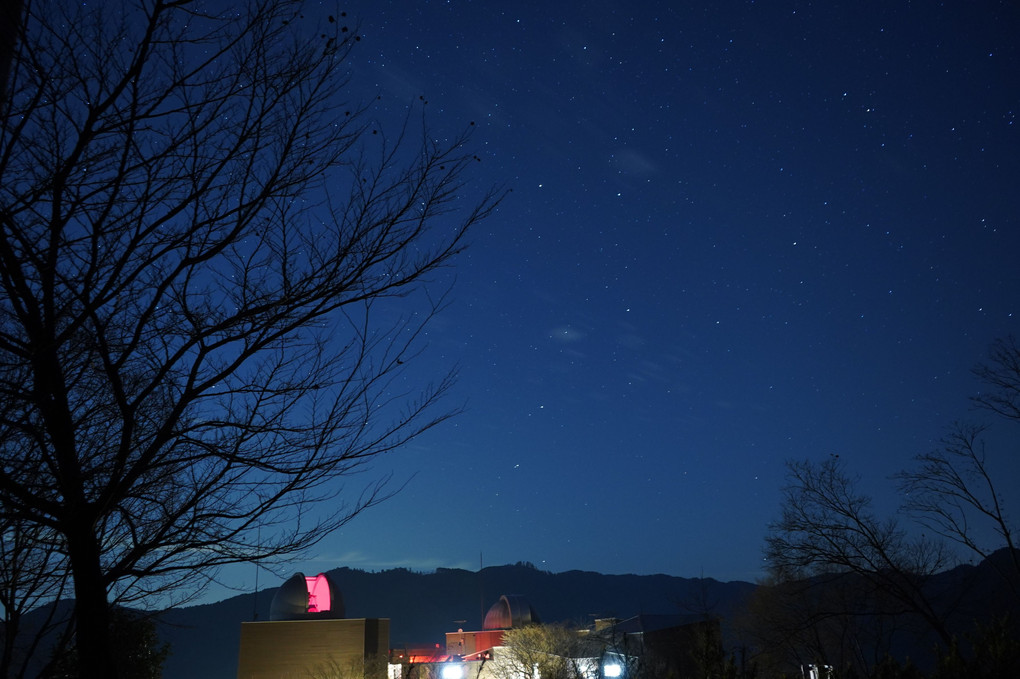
{"points": [[737, 233]]}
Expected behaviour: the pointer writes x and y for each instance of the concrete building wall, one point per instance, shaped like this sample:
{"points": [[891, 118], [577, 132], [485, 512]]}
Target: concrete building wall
{"points": [[296, 649]]}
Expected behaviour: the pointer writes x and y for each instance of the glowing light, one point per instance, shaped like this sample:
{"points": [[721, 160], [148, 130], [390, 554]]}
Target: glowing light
{"points": [[318, 593], [452, 671], [613, 670]]}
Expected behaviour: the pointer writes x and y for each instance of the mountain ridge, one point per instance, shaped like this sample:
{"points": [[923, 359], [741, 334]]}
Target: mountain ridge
{"points": [[422, 607]]}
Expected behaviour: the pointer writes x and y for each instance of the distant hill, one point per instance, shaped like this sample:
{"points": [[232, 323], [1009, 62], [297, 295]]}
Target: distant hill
{"points": [[422, 607]]}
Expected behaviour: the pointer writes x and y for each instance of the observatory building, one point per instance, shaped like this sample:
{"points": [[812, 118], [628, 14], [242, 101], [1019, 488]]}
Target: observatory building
{"points": [[307, 635], [511, 611]]}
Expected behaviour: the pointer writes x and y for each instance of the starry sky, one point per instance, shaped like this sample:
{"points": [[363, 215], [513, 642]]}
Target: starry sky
{"points": [[737, 233]]}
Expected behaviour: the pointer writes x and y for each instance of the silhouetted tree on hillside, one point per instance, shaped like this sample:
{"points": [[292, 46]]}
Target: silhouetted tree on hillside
{"points": [[137, 650], [33, 575], [953, 490], [199, 238], [828, 538], [828, 530]]}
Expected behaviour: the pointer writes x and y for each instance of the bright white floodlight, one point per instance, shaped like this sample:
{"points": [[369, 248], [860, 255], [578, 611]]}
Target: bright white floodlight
{"points": [[452, 671], [613, 670]]}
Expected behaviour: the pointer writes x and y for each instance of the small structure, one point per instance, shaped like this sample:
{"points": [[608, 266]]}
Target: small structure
{"points": [[662, 642]]}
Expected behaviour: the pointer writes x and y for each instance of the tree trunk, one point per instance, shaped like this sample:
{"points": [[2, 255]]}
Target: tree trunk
{"points": [[11, 626], [91, 608], [10, 24]]}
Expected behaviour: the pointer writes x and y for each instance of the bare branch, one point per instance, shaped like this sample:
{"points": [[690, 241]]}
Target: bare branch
{"points": [[952, 490], [827, 531], [213, 274], [1001, 372]]}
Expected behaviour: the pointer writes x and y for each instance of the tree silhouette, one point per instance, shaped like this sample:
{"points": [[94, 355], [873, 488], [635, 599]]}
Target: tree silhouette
{"points": [[834, 563], [138, 651], [954, 491], [199, 238], [556, 651], [33, 573], [828, 531]]}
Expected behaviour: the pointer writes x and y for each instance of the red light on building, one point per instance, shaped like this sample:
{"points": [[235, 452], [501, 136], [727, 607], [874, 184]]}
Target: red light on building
{"points": [[318, 593]]}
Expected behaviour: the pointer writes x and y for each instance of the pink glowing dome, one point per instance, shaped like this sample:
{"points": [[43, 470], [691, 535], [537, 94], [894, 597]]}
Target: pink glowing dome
{"points": [[303, 598]]}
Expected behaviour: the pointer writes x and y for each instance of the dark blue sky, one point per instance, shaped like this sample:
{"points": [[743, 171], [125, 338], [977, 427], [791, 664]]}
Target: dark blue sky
{"points": [[738, 233]]}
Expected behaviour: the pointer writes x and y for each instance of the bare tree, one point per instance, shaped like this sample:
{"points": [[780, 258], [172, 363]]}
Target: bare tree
{"points": [[827, 531], [953, 490], [829, 537], [10, 21], [138, 654], [555, 651], [1001, 373], [198, 233], [838, 621], [33, 575]]}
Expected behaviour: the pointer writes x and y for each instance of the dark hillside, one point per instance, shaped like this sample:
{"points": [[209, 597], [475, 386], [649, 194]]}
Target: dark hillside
{"points": [[422, 607]]}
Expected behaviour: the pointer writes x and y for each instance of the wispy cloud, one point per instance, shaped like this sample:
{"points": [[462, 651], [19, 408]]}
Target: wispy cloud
{"points": [[566, 334], [365, 561]]}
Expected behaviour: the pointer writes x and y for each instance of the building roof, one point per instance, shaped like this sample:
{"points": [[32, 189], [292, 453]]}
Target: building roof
{"points": [[654, 622]]}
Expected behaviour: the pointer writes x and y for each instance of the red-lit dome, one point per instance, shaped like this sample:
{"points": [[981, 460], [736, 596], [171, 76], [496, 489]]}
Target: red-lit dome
{"points": [[304, 598]]}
